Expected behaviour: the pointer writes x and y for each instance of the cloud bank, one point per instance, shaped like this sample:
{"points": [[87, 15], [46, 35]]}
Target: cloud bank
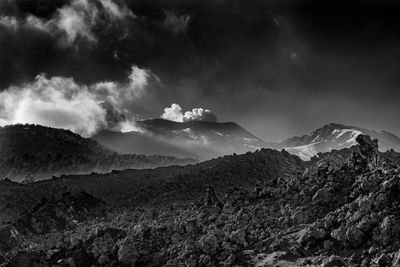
{"points": [[63, 103], [174, 113], [76, 22], [265, 57]]}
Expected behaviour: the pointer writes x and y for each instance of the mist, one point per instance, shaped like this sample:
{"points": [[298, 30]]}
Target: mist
{"points": [[61, 102]]}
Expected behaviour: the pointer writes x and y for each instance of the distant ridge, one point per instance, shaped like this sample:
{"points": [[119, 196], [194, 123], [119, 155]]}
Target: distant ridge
{"points": [[335, 136], [20, 139], [201, 139], [205, 140], [34, 152]]}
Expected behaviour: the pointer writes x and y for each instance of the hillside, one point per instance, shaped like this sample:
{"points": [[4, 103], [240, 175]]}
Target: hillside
{"points": [[33, 152], [141, 143], [258, 209], [20, 139]]}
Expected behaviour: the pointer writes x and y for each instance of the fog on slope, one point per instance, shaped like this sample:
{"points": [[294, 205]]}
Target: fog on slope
{"points": [[203, 139], [61, 102], [31, 152]]}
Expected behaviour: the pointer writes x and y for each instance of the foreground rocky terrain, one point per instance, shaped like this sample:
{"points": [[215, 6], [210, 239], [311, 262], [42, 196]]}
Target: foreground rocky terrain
{"points": [[266, 208]]}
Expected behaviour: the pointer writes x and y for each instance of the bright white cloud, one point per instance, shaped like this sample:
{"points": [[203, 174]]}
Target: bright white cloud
{"points": [[56, 102], [9, 22], [76, 21], [13, 23], [138, 80], [63, 103], [199, 114], [112, 91], [36, 23], [115, 11], [174, 113]]}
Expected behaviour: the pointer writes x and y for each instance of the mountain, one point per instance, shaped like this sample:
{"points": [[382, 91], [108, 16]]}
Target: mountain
{"points": [[336, 136], [34, 152], [205, 140], [202, 139]]}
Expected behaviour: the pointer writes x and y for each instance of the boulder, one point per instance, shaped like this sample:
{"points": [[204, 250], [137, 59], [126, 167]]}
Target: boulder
{"points": [[354, 236], [128, 253], [388, 230], [334, 261], [321, 197]]}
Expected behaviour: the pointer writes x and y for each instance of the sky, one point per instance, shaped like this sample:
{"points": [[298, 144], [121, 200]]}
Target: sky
{"points": [[277, 68]]}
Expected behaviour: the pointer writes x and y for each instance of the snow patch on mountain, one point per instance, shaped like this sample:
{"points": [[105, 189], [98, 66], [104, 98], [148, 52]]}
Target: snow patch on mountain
{"points": [[305, 152], [315, 139], [353, 134], [217, 133], [252, 147], [250, 139], [336, 136]]}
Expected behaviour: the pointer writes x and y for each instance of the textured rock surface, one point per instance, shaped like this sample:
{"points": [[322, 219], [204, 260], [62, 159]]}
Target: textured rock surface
{"points": [[337, 212]]}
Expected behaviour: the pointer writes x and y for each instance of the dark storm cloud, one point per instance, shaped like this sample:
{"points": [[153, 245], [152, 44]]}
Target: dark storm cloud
{"points": [[147, 40], [176, 23], [289, 65], [58, 42]]}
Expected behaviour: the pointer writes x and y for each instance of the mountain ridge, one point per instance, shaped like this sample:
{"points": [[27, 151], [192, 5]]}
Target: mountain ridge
{"points": [[38, 152], [336, 136], [34, 152], [206, 140], [38, 139], [203, 139]]}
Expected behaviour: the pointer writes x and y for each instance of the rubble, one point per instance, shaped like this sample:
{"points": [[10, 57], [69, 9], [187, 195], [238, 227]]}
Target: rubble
{"points": [[343, 213]]}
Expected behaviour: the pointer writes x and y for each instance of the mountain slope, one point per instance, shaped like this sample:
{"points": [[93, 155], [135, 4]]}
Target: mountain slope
{"points": [[33, 152], [336, 136], [19, 139], [203, 139], [140, 143]]}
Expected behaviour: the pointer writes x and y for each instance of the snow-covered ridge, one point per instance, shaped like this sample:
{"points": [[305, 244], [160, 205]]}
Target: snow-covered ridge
{"points": [[336, 136], [352, 137]]}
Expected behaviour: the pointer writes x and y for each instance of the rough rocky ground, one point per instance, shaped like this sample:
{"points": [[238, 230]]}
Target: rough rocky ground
{"points": [[266, 208]]}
